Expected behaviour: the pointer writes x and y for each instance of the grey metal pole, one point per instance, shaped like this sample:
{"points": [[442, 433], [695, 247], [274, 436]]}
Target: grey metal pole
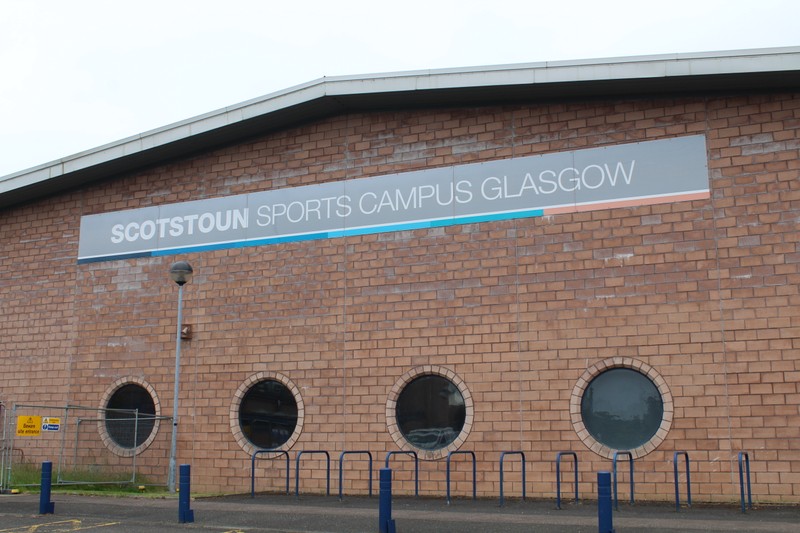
{"points": [[174, 442]]}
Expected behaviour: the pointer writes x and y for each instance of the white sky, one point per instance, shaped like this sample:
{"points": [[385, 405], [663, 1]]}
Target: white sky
{"points": [[78, 74]]}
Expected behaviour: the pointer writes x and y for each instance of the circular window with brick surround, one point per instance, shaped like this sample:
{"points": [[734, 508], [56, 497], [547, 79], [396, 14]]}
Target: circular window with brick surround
{"points": [[429, 411], [130, 417], [621, 404], [267, 413]]}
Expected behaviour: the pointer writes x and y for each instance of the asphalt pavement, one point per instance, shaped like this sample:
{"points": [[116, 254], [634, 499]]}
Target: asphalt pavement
{"points": [[317, 514]]}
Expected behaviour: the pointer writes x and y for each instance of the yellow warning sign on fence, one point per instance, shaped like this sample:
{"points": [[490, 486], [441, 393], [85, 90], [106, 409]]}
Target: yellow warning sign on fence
{"points": [[29, 426], [50, 423]]}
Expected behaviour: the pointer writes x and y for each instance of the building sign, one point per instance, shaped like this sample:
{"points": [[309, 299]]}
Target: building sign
{"points": [[595, 178], [29, 426]]}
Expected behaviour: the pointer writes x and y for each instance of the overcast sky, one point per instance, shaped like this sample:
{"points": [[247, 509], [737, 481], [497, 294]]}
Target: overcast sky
{"points": [[78, 74]]}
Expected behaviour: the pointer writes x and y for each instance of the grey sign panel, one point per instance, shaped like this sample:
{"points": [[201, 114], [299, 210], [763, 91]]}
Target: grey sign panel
{"points": [[401, 198], [593, 178], [96, 237], [297, 210]]}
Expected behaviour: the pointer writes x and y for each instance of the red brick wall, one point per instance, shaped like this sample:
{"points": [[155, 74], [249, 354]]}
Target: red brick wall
{"points": [[705, 292]]}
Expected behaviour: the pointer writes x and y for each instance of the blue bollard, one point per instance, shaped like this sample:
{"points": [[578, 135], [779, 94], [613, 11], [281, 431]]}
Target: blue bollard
{"points": [[45, 505], [184, 513], [605, 518], [385, 522]]}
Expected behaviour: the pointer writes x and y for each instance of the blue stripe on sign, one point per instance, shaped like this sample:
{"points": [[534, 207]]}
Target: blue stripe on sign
{"points": [[438, 223], [241, 244], [500, 216], [408, 226], [134, 255]]}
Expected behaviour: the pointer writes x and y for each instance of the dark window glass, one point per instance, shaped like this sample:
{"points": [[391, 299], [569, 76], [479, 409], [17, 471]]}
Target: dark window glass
{"points": [[430, 412], [127, 427], [268, 414], [622, 409]]}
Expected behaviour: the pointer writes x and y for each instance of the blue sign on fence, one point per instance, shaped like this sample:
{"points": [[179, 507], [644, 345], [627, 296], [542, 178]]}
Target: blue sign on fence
{"points": [[51, 423]]}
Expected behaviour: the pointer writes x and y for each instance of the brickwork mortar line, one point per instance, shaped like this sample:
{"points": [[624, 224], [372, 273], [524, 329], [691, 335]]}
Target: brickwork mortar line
{"points": [[720, 303], [517, 299], [347, 163]]}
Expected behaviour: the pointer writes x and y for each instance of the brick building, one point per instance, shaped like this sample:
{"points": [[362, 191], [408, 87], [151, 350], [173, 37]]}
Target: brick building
{"points": [[574, 256]]}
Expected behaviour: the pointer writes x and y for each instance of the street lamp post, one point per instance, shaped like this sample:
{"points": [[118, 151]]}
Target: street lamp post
{"points": [[180, 273]]}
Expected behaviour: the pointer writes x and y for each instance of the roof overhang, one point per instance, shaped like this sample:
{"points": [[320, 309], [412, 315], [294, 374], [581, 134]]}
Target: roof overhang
{"points": [[775, 69]]}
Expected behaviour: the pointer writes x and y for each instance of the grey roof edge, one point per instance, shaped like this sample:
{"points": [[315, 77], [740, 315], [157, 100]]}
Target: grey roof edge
{"points": [[331, 94]]}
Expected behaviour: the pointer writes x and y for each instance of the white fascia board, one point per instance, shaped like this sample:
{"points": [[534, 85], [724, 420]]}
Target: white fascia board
{"points": [[284, 99], [25, 178], [739, 62]]}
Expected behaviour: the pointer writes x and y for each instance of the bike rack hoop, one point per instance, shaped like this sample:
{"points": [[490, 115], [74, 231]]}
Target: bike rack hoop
{"points": [[474, 473], [341, 465], [253, 469], [688, 481], [416, 466], [502, 457], [559, 455], [630, 459], [746, 457], [297, 470]]}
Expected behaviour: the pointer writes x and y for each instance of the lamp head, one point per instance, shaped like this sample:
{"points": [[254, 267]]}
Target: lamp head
{"points": [[181, 272]]}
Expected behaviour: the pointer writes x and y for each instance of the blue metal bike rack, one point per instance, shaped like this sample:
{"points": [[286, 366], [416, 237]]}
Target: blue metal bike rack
{"points": [[746, 457], [297, 471], [253, 469], [688, 481], [474, 473], [416, 467], [341, 464], [630, 458], [502, 457], [558, 476]]}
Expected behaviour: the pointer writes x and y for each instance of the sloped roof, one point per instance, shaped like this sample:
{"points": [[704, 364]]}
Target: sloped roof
{"points": [[734, 71]]}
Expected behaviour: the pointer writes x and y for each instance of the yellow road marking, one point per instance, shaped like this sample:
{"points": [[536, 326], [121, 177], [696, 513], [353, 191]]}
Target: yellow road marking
{"points": [[62, 526], [95, 526]]}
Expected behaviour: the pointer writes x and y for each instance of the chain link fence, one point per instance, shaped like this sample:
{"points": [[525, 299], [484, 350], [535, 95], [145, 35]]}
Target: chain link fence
{"points": [[85, 445]]}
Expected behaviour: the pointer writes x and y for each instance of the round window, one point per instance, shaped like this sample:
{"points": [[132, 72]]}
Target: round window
{"points": [[430, 412], [622, 409], [268, 414], [130, 416]]}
